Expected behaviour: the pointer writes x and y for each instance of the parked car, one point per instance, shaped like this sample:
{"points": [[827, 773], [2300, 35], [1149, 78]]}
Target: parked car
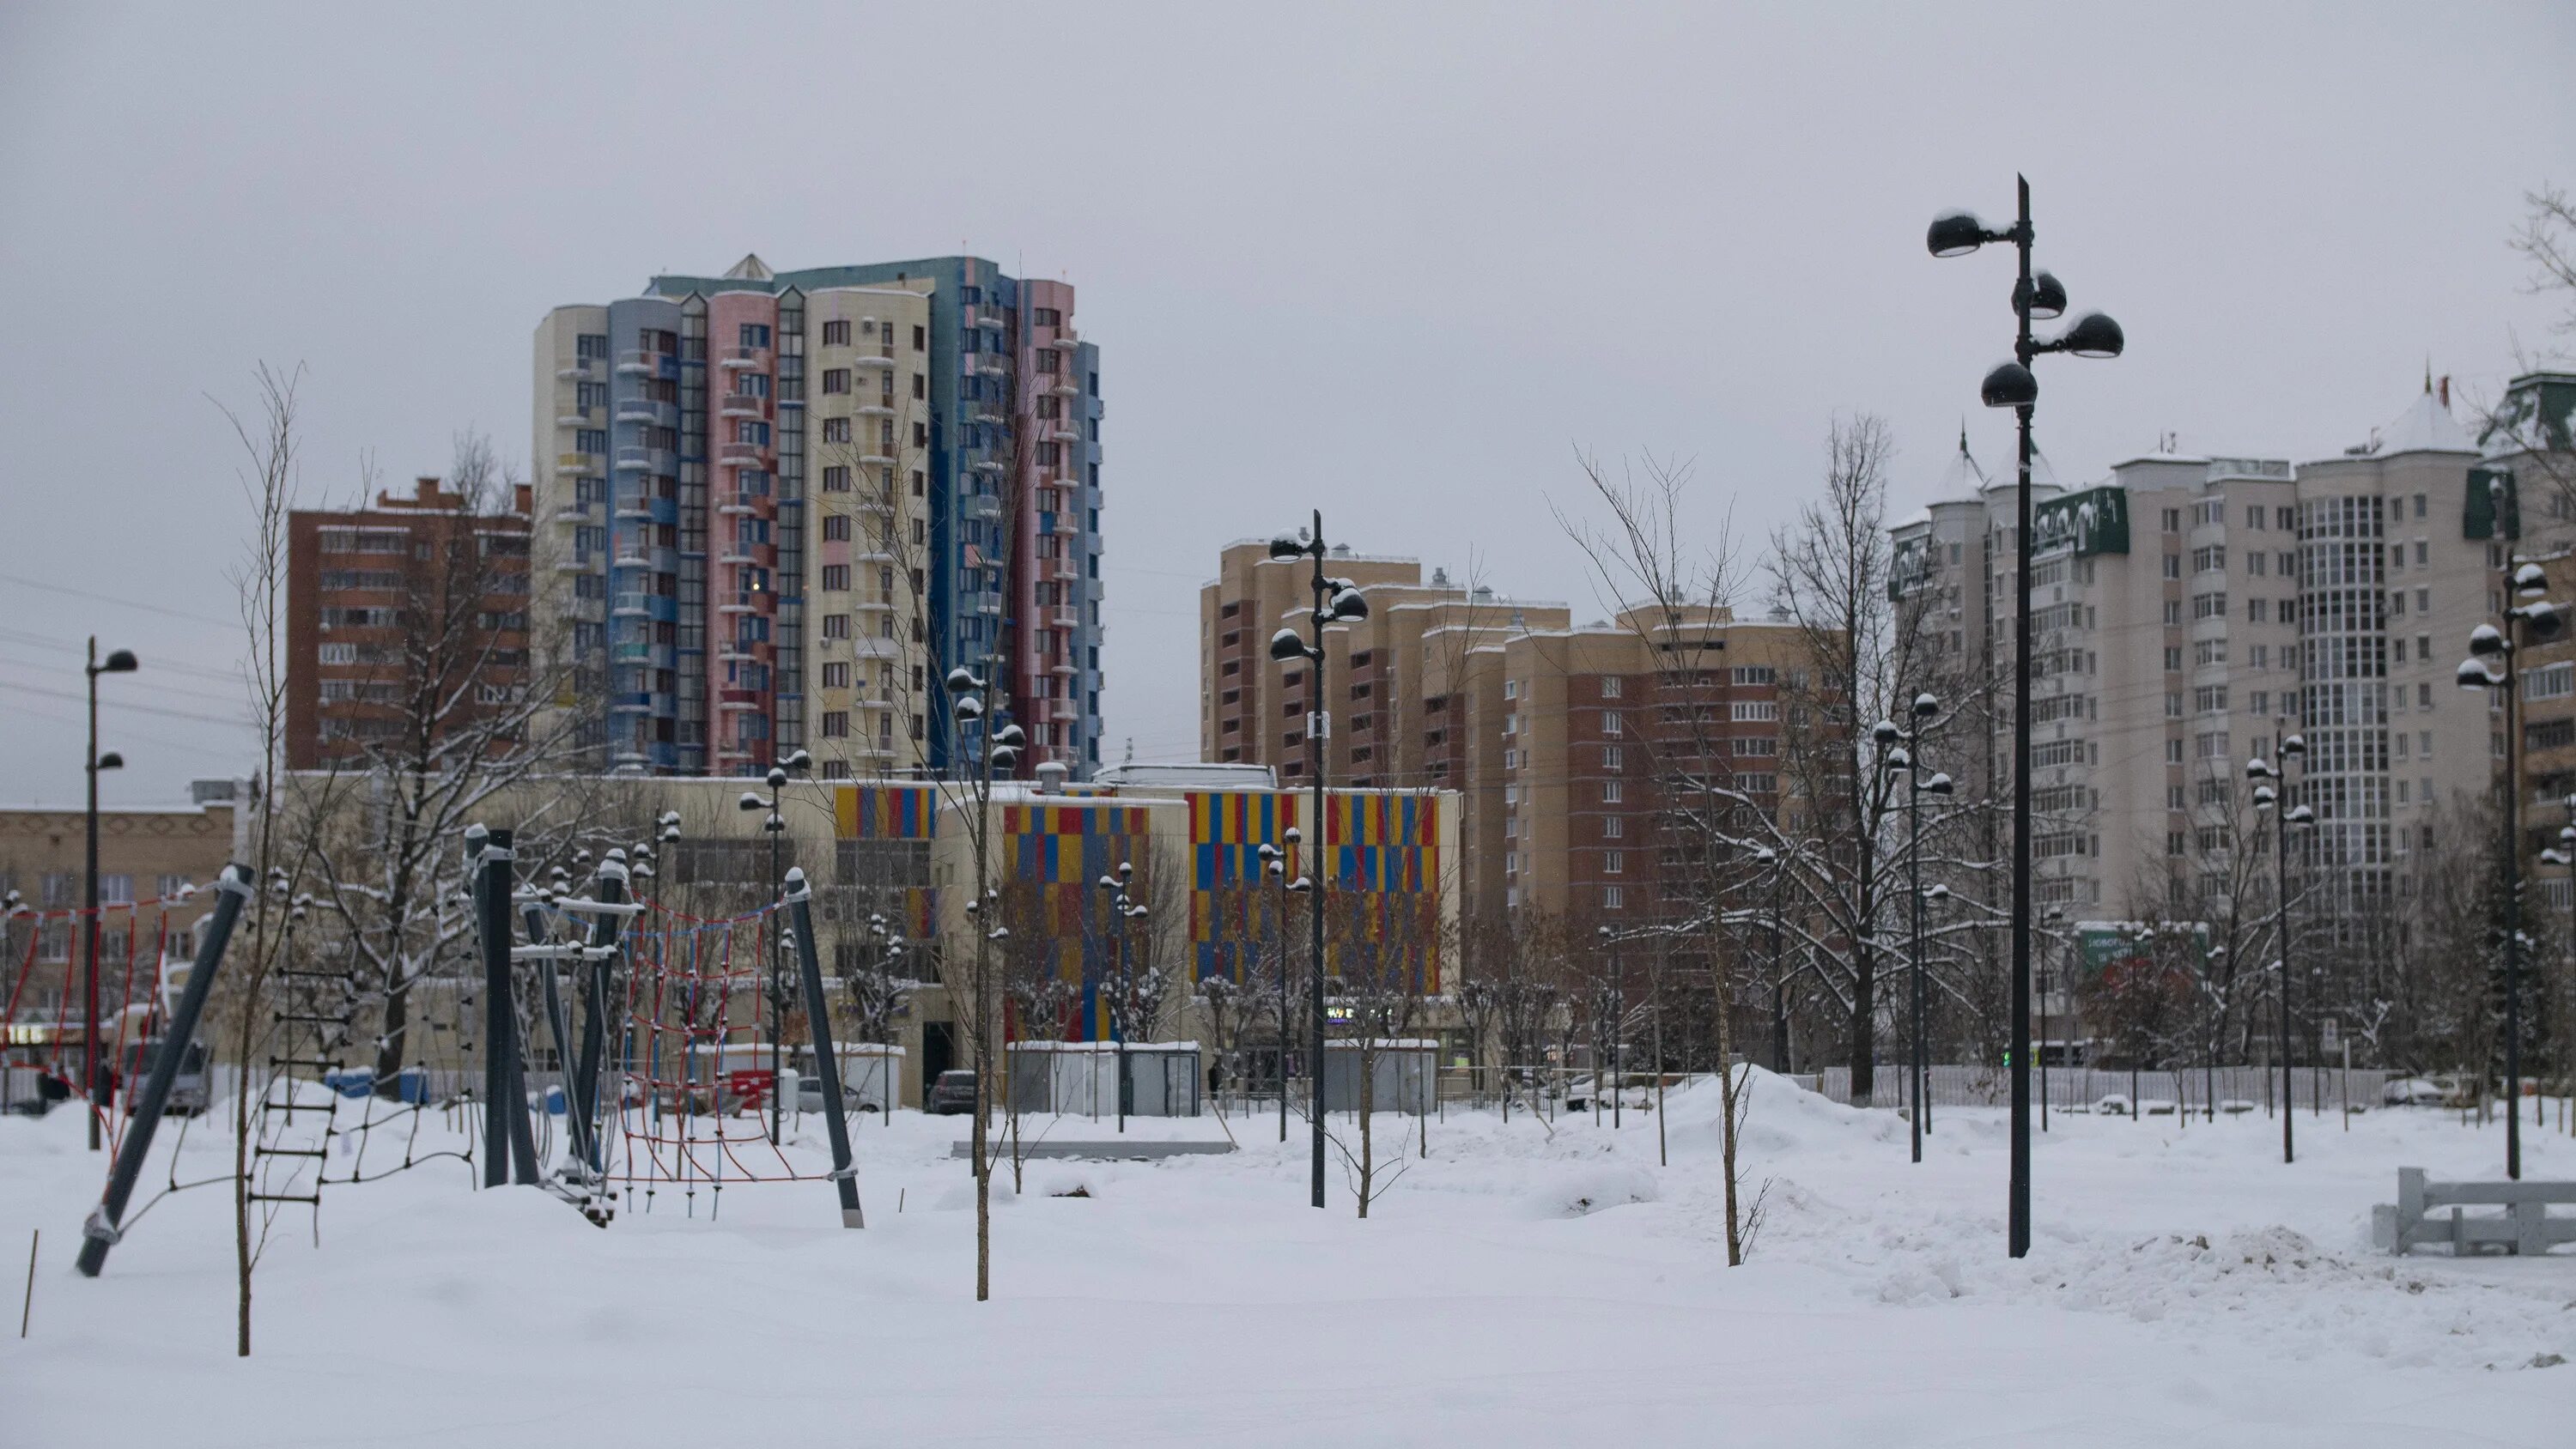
{"points": [[2113, 1104], [809, 1096], [953, 1094], [187, 1087], [2414, 1092]]}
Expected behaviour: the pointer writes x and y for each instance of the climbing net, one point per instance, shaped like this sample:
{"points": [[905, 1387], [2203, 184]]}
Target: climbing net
{"points": [[697, 1080], [45, 1041]]}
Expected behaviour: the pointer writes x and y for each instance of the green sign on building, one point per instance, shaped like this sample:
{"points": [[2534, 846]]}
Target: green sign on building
{"points": [[2091, 522], [2478, 514]]}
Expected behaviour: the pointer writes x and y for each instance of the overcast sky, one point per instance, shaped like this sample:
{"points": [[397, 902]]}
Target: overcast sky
{"points": [[1399, 262]]}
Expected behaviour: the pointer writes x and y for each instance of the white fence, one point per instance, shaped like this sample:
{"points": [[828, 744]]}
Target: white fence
{"points": [[2077, 1089]]}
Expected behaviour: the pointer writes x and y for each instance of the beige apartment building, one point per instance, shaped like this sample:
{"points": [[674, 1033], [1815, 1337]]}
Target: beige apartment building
{"points": [[2189, 612]]}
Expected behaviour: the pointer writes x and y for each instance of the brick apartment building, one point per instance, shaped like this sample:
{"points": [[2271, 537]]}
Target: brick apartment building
{"points": [[1551, 733], [410, 611]]}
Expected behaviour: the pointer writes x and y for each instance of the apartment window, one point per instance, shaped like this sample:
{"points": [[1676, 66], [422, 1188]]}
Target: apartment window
{"points": [[2260, 656], [2173, 704], [1755, 745], [2286, 519], [836, 528], [1613, 827], [836, 576], [753, 334], [836, 478], [1613, 898], [115, 890], [1610, 723], [1613, 758], [836, 380], [2254, 516], [2557, 681], [2173, 660], [2173, 611], [2173, 565], [2173, 752], [2256, 562], [1511, 689], [836, 724], [2209, 606], [836, 626], [1614, 862], [1610, 686], [2424, 601], [1754, 710], [837, 334], [2211, 559], [836, 430], [1754, 674], [2423, 553], [836, 675], [1611, 792], [2419, 508], [2260, 703], [2258, 611], [2173, 520]]}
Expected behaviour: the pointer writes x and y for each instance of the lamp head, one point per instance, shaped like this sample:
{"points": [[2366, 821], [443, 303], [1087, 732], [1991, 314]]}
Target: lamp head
{"points": [[969, 706], [1897, 759], [1285, 645], [1348, 606], [2474, 675], [1926, 705], [2265, 797], [1955, 234], [1939, 784], [2542, 623], [2529, 581], [1765, 855], [1011, 736], [111, 761], [120, 661], [1267, 851], [749, 801], [2258, 768], [1885, 733], [2486, 640], [1938, 891], [2093, 335], [2046, 298], [801, 760], [2010, 385], [2293, 745], [776, 777], [2300, 815], [1286, 547], [962, 680]]}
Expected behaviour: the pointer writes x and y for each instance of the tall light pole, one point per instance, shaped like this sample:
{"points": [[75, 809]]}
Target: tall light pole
{"points": [[2493, 665], [775, 988], [1336, 601], [2271, 787], [1901, 749], [2011, 385], [120, 661], [1124, 912], [1274, 864]]}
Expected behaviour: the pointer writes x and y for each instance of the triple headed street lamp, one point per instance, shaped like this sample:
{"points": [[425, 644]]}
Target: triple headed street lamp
{"points": [[1125, 914], [2036, 296], [119, 661], [2270, 785], [1901, 749], [2494, 665], [776, 827], [1336, 601]]}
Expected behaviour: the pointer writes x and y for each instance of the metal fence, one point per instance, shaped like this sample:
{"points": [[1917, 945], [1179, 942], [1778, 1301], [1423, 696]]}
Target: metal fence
{"points": [[2077, 1089]]}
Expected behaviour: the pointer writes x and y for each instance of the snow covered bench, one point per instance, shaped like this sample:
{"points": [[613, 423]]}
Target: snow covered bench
{"points": [[2524, 1227]]}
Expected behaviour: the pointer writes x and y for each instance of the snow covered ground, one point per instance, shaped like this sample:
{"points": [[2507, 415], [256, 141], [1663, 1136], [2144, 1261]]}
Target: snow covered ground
{"points": [[1521, 1286]]}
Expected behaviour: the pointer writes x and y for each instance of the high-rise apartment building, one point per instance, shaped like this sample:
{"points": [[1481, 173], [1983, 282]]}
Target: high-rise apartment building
{"points": [[782, 504], [408, 618], [2190, 612], [1550, 733]]}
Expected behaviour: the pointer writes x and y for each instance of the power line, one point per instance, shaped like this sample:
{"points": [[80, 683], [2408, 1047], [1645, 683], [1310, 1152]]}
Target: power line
{"points": [[157, 688], [28, 583], [74, 646], [125, 705], [158, 740]]}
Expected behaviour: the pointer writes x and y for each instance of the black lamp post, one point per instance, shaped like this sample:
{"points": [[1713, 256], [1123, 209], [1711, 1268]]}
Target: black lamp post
{"points": [[1900, 749], [775, 988], [1770, 861], [2270, 786], [2011, 385], [120, 661], [1274, 862], [2493, 665], [1124, 912], [1336, 601]]}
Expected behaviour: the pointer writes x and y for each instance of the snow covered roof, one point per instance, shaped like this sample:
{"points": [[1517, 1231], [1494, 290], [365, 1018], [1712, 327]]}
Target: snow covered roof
{"points": [[2427, 427]]}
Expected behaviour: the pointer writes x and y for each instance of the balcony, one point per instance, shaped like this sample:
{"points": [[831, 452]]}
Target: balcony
{"points": [[576, 465], [645, 460], [580, 370], [649, 411], [741, 357], [865, 359], [574, 417], [576, 513], [746, 604], [630, 653], [1064, 341], [981, 505], [630, 704], [1062, 709], [876, 503], [877, 460], [635, 361], [1065, 616], [743, 501], [749, 555], [870, 551], [741, 455], [739, 699], [1063, 385], [873, 606], [993, 364], [876, 646], [579, 611], [880, 407], [745, 405], [633, 605]]}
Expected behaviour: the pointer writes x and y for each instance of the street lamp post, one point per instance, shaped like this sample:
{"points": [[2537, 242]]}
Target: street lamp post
{"points": [[119, 661], [1336, 601], [1274, 862], [2492, 665], [1901, 749], [1124, 912], [2011, 385], [2271, 786], [775, 988], [1769, 860]]}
